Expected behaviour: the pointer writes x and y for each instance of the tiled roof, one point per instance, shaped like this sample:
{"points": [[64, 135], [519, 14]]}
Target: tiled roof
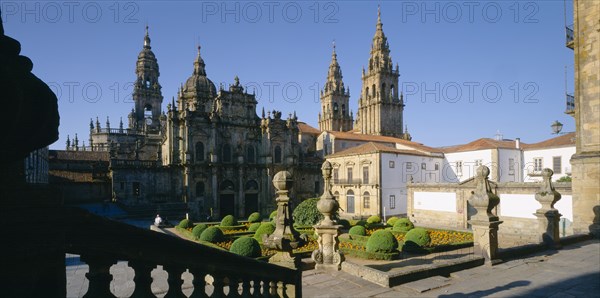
{"points": [[381, 139], [372, 147], [560, 141], [305, 128], [481, 144]]}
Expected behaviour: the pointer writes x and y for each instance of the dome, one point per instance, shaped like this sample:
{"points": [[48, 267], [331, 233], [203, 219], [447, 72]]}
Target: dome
{"points": [[198, 83]]}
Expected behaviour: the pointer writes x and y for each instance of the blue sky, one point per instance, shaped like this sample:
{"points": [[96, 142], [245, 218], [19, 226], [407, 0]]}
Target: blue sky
{"points": [[468, 69]]}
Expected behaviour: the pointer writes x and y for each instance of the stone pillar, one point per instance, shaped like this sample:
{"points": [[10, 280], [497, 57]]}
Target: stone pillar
{"points": [[327, 256], [285, 238], [548, 216], [484, 223]]}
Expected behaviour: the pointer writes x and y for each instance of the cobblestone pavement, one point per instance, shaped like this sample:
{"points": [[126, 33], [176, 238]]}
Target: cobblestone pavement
{"points": [[573, 271]]}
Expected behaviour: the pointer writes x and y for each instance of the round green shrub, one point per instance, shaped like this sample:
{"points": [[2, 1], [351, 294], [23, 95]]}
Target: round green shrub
{"points": [[212, 234], [253, 227], [186, 224], [418, 236], [306, 213], [358, 230], [373, 219], [382, 241], [198, 229], [254, 217], [344, 222], [229, 221], [266, 228], [403, 225], [392, 220], [273, 215], [246, 246]]}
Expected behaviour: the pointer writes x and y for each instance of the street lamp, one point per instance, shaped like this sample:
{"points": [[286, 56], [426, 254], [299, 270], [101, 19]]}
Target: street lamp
{"points": [[556, 127]]}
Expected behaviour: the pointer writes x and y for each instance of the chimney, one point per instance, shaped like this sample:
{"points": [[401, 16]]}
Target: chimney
{"points": [[518, 143]]}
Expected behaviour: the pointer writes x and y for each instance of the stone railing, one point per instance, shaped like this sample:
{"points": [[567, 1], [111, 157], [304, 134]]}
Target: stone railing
{"points": [[132, 163], [101, 243]]}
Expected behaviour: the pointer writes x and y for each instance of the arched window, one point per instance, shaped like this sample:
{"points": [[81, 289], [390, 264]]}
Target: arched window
{"points": [[366, 200], [373, 90], [335, 107], [367, 93], [227, 185], [199, 189], [147, 111], [277, 154], [226, 153], [252, 185], [392, 91], [199, 151], [350, 201], [250, 155]]}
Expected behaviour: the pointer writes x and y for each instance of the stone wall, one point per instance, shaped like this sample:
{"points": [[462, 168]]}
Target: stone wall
{"points": [[430, 204]]}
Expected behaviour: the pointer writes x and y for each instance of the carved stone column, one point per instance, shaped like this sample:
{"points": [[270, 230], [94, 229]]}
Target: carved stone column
{"points": [[484, 223], [285, 238], [548, 216], [327, 256]]}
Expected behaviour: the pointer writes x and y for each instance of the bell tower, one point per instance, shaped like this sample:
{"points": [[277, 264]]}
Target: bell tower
{"points": [[146, 90], [335, 111], [380, 107]]}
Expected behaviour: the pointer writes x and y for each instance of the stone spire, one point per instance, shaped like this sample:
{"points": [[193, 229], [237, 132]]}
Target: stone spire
{"points": [[335, 99], [199, 65], [147, 40], [334, 81], [147, 90]]}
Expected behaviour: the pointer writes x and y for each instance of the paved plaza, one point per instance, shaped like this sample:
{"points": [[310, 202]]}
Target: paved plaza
{"points": [[573, 271]]}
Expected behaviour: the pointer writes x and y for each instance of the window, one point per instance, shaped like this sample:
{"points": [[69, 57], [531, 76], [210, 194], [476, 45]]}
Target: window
{"points": [[336, 175], [136, 189], [459, 168], [511, 166], [349, 176], [250, 156], [226, 153], [437, 166], [392, 201], [423, 166], [365, 175], [392, 164], [350, 201], [478, 162], [277, 154], [537, 164], [556, 164], [199, 151], [366, 200]]}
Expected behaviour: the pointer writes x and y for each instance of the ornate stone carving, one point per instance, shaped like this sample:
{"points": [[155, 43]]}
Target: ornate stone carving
{"points": [[548, 216]]}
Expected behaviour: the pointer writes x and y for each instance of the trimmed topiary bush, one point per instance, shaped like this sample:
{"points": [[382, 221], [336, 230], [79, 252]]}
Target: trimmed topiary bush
{"points": [[403, 225], [418, 236], [198, 229], [266, 228], [253, 227], [358, 230], [344, 222], [306, 213], [246, 246], [392, 220], [382, 241], [228, 221], [185, 224], [373, 219], [212, 234], [254, 217]]}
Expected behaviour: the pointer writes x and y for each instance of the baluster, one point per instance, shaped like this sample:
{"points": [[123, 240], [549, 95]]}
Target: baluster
{"points": [[265, 288], [99, 275], [218, 284], [273, 289], [281, 290], [234, 285], [142, 279], [256, 287], [246, 288], [175, 281], [199, 283]]}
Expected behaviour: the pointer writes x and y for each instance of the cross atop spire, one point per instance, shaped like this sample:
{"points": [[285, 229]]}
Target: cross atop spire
{"points": [[147, 39], [378, 15]]}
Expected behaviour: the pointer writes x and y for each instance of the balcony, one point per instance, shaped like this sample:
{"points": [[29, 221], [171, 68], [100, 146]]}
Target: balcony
{"points": [[570, 104], [570, 36]]}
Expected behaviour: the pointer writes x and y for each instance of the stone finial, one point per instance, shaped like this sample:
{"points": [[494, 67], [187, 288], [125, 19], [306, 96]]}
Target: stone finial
{"points": [[547, 196], [327, 204], [483, 199]]}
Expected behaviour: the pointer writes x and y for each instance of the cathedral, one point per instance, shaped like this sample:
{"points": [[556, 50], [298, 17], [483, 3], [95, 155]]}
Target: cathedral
{"points": [[211, 151]]}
